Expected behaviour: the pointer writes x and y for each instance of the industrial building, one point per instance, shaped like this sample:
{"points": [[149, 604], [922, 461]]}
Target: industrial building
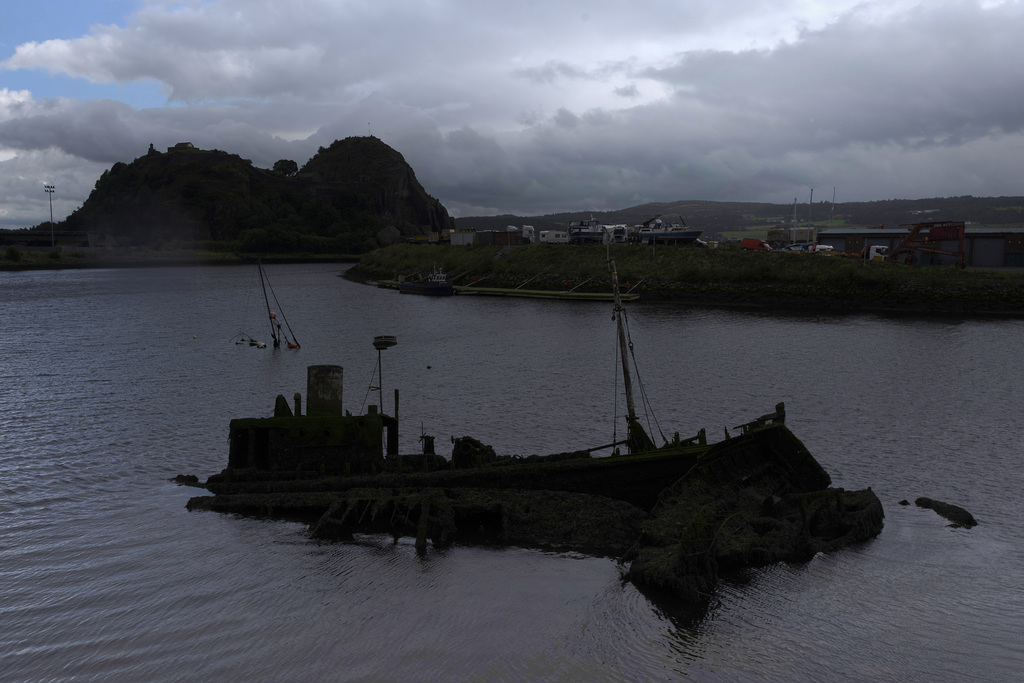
{"points": [[982, 247]]}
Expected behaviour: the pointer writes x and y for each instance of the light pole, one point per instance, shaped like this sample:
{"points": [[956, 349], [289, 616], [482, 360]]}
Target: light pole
{"points": [[49, 193], [382, 343]]}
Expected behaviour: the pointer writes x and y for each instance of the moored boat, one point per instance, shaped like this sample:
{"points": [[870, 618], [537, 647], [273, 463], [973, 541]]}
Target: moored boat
{"points": [[435, 284]]}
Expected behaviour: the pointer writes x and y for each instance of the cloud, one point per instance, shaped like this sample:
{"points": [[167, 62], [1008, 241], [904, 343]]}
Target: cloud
{"points": [[22, 177], [539, 107], [937, 76]]}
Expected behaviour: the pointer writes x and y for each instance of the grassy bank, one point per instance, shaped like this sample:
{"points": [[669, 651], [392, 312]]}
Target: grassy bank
{"points": [[717, 277]]}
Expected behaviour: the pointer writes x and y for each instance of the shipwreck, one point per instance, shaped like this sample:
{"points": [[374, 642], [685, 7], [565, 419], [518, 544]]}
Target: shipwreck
{"points": [[679, 516]]}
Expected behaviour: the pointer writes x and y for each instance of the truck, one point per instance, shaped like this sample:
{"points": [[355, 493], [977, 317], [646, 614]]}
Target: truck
{"points": [[754, 244], [875, 252]]}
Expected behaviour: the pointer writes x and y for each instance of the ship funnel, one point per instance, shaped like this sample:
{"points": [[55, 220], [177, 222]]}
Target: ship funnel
{"points": [[323, 390]]}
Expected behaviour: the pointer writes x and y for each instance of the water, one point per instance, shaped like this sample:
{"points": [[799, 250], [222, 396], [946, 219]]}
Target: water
{"points": [[114, 381]]}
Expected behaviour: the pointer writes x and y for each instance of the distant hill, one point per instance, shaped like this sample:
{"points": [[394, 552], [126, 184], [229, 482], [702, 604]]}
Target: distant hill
{"points": [[351, 197], [720, 219]]}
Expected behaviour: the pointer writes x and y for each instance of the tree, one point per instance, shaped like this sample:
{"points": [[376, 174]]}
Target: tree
{"points": [[286, 167]]}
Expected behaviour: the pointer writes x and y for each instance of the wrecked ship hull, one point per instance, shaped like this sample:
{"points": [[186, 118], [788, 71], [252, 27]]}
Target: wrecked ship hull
{"points": [[681, 517]]}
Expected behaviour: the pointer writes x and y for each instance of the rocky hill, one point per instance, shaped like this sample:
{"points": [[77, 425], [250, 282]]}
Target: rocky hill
{"points": [[350, 197], [357, 170]]}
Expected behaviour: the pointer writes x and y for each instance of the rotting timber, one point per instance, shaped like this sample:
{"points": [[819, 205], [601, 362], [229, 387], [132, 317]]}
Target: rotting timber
{"points": [[681, 515]]}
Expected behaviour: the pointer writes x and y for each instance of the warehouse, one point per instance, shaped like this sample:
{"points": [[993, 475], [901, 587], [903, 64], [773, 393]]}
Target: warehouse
{"points": [[983, 247]]}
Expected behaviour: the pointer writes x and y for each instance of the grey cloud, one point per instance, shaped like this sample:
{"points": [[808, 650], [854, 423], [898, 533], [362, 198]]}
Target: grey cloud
{"points": [[627, 91], [544, 110], [566, 119], [551, 72], [24, 203], [939, 76]]}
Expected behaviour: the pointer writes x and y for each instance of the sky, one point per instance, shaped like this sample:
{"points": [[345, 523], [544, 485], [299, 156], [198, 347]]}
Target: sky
{"points": [[528, 107]]}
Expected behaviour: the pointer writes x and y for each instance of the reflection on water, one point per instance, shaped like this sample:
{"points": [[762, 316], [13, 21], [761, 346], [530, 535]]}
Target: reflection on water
{"points": [[114, 381]]}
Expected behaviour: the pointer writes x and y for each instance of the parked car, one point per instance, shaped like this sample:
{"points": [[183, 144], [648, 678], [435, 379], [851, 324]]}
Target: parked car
{"points": [[796, 246]]}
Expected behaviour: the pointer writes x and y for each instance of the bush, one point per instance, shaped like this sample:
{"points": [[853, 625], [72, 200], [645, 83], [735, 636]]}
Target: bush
{"points": [[12, 254]]}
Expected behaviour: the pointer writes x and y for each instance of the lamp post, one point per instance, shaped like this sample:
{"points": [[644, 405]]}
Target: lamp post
{"points": [[49, 193], [382, 343]]}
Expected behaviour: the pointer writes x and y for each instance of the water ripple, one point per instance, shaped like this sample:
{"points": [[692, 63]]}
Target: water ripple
{"points": [[105, 576]]}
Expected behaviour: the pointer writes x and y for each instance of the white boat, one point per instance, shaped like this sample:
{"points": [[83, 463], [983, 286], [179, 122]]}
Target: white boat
{"points": [[588, 231]]}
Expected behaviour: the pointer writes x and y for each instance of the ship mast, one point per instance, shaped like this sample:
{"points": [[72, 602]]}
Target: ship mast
{"points": [[636, 438], [270, 314], [627, 380]]}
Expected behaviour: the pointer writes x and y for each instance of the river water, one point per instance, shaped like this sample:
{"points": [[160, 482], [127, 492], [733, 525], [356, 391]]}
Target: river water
{"points": [[114, 381]]}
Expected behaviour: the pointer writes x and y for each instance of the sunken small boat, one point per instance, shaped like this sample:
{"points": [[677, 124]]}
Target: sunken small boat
{"points": [[279, 333]]}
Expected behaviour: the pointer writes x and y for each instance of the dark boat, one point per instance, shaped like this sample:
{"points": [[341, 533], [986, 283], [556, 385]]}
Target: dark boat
{"points": [[435, 284]]}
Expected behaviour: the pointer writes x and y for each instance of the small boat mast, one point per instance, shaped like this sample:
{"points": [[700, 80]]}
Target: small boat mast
{"points": [[276, 331]]}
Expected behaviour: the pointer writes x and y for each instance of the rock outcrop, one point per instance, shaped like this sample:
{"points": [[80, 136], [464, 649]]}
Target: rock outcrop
{"points": [[954, 513], [364, 169], [352, 196]]}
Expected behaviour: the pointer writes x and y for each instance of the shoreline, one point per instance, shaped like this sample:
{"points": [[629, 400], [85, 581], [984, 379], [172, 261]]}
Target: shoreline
{"points": [[914, 291], [799, 299]]}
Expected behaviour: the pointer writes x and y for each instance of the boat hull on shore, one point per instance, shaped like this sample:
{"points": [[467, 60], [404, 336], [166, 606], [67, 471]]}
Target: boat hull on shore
{"points": [[668, 236]]}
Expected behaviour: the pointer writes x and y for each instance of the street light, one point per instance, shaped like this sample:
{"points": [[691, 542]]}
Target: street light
{"points": [[49, 193], [382, 343]]}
